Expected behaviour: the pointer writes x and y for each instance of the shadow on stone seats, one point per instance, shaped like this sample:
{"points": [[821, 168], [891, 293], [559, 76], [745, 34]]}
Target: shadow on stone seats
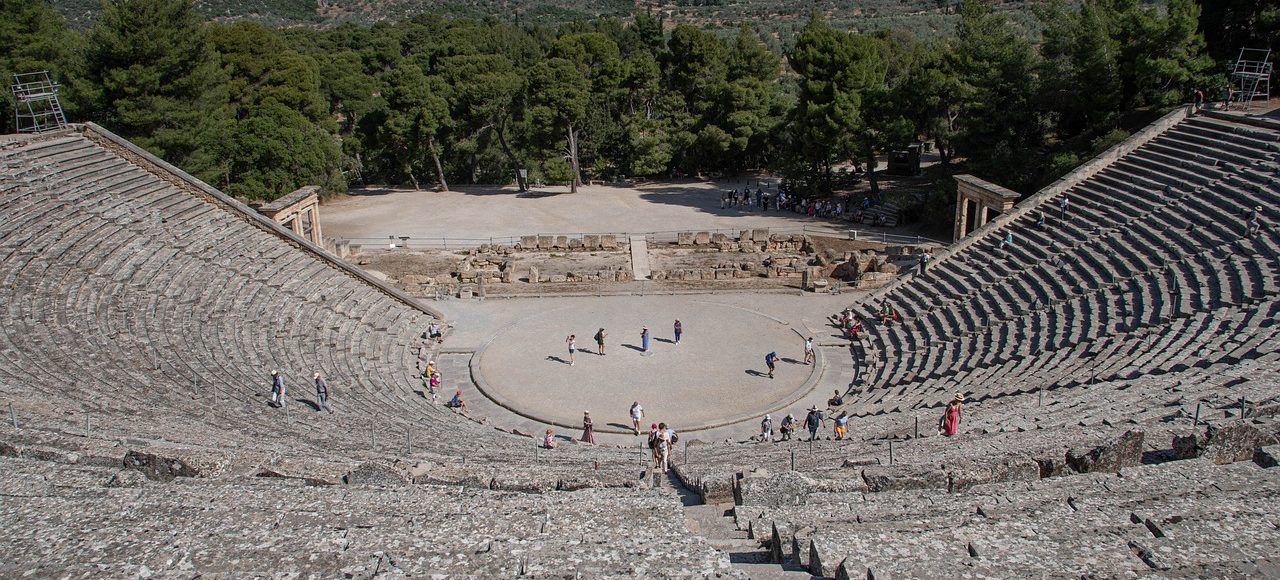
{"points": [[309, 403]]}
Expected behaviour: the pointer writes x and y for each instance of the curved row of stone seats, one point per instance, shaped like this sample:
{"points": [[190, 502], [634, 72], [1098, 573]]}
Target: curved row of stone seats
{"points": [[1189, 518], [94, 521], [1037, 423], [155, 308], [1147, 242]]}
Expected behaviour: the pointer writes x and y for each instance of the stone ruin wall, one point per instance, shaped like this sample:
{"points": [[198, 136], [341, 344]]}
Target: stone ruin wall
{"points": [[753, 253]]}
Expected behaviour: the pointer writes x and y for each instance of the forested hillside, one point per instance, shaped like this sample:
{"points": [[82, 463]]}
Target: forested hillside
{"points": [[430, 101]]}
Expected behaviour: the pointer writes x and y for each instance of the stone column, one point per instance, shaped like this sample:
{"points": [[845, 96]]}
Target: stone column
{"points": [[316, 237], [962, 216], [296, 224], [982, 215]]}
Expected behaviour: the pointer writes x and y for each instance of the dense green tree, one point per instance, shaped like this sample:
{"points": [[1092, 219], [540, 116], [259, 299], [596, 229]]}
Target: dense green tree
{"points": [[153, 77], [559, 94], [1230, 25], [280, 133], [34, 38], [1000, 129], [836, 68], [485, 95], [414, 114]]}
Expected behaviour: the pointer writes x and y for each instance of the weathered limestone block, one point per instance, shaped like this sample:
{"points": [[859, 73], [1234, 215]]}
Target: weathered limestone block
{"points": [[508, 276], [591, 241], [888, 268], [159, 467], [575, 243], [1108, 457], [892, 478], [759, 488], [560, 242], [744, 236], [702, 238], [546, 242], [375, 473], [607, 276], [760, 234], [684, 238], [1268, 456], [533, 274], [719, 239], [725, 273], [1227, 444], [609, 242], [528, 242], [559, 278]]}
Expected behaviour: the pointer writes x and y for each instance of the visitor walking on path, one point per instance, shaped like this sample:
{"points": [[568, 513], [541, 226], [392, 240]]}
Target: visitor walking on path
{"points": [[573, 346], [644, 339], [678, 330], [588, 429], [277, 389], [766, 429], [600, 336], [949, 424], [1064, 204], [808, 351], [813, 421], [549, 439], [924, 262], [322, 394], [769, 360], [637, 413]]}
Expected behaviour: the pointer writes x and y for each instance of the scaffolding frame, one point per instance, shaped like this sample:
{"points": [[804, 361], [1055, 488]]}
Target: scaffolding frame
{"points": [[36, 107], [1251, 75]]}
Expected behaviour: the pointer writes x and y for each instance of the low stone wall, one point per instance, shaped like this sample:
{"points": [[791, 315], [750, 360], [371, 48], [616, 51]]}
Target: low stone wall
{"points": [[755, 240], [585, 242]]}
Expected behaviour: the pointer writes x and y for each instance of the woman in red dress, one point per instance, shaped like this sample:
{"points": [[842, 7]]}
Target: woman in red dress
{"points": [[588, 429], [950, 422]]}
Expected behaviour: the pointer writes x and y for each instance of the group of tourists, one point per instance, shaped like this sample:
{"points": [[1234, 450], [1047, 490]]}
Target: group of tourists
{"points": [[279, 393], [815, 420]]}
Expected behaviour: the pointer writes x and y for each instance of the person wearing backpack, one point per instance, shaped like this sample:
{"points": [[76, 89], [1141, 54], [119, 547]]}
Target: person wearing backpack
{"points": [[600, 341], [662, 450], [769, 360]]}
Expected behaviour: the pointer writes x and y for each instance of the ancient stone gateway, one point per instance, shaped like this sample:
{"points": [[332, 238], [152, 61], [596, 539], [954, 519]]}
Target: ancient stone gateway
{"points": [[293, 209], [985, 195]]}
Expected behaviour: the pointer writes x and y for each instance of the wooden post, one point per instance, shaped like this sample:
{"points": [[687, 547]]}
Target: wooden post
{"points": [[1196, 422], [13, 416], [1242, 403], [891, 452], [1040, 402], [917, 427], [793, 460]]}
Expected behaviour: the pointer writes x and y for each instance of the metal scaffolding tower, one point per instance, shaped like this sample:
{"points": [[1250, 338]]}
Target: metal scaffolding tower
{"points": [[36, 107], [1251, 75]]}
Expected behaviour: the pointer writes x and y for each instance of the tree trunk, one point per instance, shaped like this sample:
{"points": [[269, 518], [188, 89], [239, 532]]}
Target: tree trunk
{"points": [[521, 183], [412, 178], [431, 146], [871, 171], [573, 160]]}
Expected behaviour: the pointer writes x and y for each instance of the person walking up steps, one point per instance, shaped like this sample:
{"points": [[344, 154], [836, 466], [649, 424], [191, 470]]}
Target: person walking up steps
{"points": [[277, 389], [600, 336], [322, 394], [1064, 204], [766, 429], [637, 413], [809, 357], [573, 346], [644, 339], [813, 421], [678, 330], [769, 360]]}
